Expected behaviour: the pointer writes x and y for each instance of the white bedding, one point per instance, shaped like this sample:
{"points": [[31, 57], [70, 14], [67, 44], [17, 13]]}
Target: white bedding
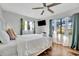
{"points": [[25, 45], [31, 44], [9, 49]]}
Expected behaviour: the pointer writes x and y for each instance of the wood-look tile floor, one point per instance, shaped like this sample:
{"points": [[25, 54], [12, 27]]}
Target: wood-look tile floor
{"points": [[59, 50]]}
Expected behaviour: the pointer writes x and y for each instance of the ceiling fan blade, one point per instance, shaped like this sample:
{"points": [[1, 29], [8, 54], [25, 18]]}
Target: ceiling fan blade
{"points": [[42, 12], [44, 4], [50, 10], [54, 4], [38, 8]]}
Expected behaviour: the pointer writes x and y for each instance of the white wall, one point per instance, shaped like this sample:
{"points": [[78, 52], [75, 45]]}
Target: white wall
{"points": [[13, 20], [0, 18], [2, 25], [40, 29], [0, 12]]}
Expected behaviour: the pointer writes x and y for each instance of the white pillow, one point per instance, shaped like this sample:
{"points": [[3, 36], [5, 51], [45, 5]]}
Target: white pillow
{"points": [[4, 37]]}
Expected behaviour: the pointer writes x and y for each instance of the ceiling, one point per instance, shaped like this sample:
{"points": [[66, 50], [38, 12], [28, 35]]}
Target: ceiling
{"points": [[26, 9]]}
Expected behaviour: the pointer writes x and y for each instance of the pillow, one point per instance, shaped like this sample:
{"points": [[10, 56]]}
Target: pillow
{"points": [[11, 34], [4, 38]]}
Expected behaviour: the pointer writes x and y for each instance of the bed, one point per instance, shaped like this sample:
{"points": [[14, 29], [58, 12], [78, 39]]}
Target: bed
{"points": [[26, 45], [9, 49]]}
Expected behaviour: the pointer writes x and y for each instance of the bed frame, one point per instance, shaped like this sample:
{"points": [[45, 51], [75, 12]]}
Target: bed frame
{"points": [[38, 53]]}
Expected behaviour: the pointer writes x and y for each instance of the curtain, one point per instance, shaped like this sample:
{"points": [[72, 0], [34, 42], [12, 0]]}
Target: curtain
{"points": [[28, 25], [50, 28], [21, 27], [75, 37], [34, 28]]}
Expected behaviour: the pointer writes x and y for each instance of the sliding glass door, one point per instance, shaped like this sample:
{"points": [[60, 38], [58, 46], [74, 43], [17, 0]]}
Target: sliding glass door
{"points": [[66, 31], [62, 31]]}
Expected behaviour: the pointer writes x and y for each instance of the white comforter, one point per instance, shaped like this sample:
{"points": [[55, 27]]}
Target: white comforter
{"points": [[9, 49], [25, 45], [30, 44]]}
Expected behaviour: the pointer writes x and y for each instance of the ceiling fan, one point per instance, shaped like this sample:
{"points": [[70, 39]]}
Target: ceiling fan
{"points": [[46, 7]]}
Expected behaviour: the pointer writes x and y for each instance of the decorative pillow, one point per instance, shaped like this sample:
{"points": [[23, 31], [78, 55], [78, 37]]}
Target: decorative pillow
{"points": [[11, 34], [4, 38]]}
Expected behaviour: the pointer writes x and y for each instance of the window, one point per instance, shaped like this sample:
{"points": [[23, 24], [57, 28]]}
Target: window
{"points": [[29, 26], [25, 27]]}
